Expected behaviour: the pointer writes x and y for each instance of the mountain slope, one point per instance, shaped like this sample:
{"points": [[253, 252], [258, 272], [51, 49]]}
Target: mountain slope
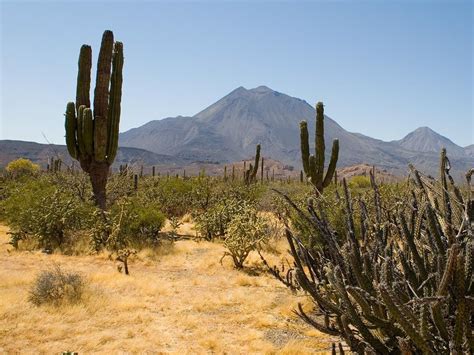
{"points": [[41, 153], [229, 129], [424, 139]]}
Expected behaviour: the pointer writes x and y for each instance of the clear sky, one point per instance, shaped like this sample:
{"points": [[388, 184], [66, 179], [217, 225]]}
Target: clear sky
{"points": [[382, 68]]}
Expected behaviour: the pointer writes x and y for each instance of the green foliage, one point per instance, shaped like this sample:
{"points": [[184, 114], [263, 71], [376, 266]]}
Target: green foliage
{"points": [[44, 213], [129, 223], [22, 167], [397, 276], [56, 286], [359, 182], [313, 165], [212, 221], [245, 232]]}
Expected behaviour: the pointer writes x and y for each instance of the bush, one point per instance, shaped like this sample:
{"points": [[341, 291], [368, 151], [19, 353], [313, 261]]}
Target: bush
{"points": [[244, 233], [359, 182], [144, 222], [129, 223], [56, 286], [44, 213], [22, 167], [212, 221], [400, 278]]}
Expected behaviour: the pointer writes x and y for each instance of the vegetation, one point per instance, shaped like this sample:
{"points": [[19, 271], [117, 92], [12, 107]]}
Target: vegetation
{"points": [[313, 165], [398, 278], [245, 232], [56, 286], [92, 136], [21, 167], [250, 175]]}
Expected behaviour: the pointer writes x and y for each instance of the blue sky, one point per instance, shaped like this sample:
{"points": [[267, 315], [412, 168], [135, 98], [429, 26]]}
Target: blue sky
{"points": [[382, 68]]}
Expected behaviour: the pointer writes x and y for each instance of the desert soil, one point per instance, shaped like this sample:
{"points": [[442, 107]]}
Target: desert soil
{"points": [[178, 299]]}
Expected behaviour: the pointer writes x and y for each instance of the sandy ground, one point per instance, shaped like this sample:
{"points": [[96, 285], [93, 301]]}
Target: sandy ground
{"points": [[178, 300]]}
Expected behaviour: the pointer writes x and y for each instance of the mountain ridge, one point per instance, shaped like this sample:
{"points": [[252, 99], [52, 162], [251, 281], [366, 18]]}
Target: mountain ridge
{"points": [[229, 129]]}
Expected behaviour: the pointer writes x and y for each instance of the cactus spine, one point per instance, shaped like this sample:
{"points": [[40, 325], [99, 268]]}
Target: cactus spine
{"points": [[313, 165], [92, 135]]}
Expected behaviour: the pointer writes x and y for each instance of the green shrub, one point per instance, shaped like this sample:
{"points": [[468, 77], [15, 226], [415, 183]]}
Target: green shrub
{"points": [[56, 286], [129, 223], [245, 232], [22, 167], [44, 213], [359, 182]]}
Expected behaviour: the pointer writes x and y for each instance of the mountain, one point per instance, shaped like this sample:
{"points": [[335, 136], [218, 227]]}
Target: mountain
{"points": [[229, 129], [424, 139], [469, 150], [41, 153]]}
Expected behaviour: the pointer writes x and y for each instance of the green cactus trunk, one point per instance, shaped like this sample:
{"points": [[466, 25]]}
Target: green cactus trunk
{"points": [[313, 165], [92, 135]]}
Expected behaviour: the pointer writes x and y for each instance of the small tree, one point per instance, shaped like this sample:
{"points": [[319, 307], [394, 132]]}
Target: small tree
{"points": [[22, 167], [92, 136], [245, 232]]}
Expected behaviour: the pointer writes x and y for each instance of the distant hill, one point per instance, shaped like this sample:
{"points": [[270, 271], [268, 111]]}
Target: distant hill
{"points": [[41, 153], [229, 129], [424, 139]]}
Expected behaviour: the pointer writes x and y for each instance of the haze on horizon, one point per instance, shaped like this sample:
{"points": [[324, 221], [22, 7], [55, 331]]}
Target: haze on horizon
{"points": [[382, 68]]}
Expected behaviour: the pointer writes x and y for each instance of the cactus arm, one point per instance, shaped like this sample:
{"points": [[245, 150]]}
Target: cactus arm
{"points": [[84, 77], [319, 146], [113, 119], [100, 138], [257, 159], [80, 140], [71, 126], [399, 313], [304, 142], [312, 169], [101, 92], [88, 131], [332, 163]]}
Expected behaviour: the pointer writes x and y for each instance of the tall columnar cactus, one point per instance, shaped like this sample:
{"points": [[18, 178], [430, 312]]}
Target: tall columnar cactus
{"points": [[251, 173], [313, 165], [92, 135]]}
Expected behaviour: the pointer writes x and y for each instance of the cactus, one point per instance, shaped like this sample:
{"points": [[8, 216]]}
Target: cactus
{"points": [[251, 173], [394, 280], [92, 135], [313, 165]]}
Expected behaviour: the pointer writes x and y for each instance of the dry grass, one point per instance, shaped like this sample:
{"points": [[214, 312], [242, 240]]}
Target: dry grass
{"points": [[181, 301]]}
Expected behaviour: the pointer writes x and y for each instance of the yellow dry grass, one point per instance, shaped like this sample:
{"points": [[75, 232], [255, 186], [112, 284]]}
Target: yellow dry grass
{"points": [[182, 301]]}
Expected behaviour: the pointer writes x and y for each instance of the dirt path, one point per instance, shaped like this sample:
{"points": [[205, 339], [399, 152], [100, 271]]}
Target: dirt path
{"points": [[179, 301]]}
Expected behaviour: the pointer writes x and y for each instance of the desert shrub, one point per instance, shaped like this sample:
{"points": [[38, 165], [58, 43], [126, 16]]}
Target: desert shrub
{"points": [[144, 223], [211, 222], [172, 195], [131, 222], [400, 278], [22, 167], [44, 213], [245, 232], [359, 182], [56, 286]]}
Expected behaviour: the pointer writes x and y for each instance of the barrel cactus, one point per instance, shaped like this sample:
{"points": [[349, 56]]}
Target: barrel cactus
{"points": [[313, 165], [92, 135]]}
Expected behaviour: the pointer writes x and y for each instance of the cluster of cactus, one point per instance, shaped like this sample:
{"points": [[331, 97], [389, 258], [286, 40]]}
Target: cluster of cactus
{"points": [[92, 136], [400, 279], [313, 165], [54, 165], [250, 174]]}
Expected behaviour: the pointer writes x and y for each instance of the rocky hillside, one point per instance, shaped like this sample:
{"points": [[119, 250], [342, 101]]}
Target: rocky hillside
{"points": [[229, 129]]}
